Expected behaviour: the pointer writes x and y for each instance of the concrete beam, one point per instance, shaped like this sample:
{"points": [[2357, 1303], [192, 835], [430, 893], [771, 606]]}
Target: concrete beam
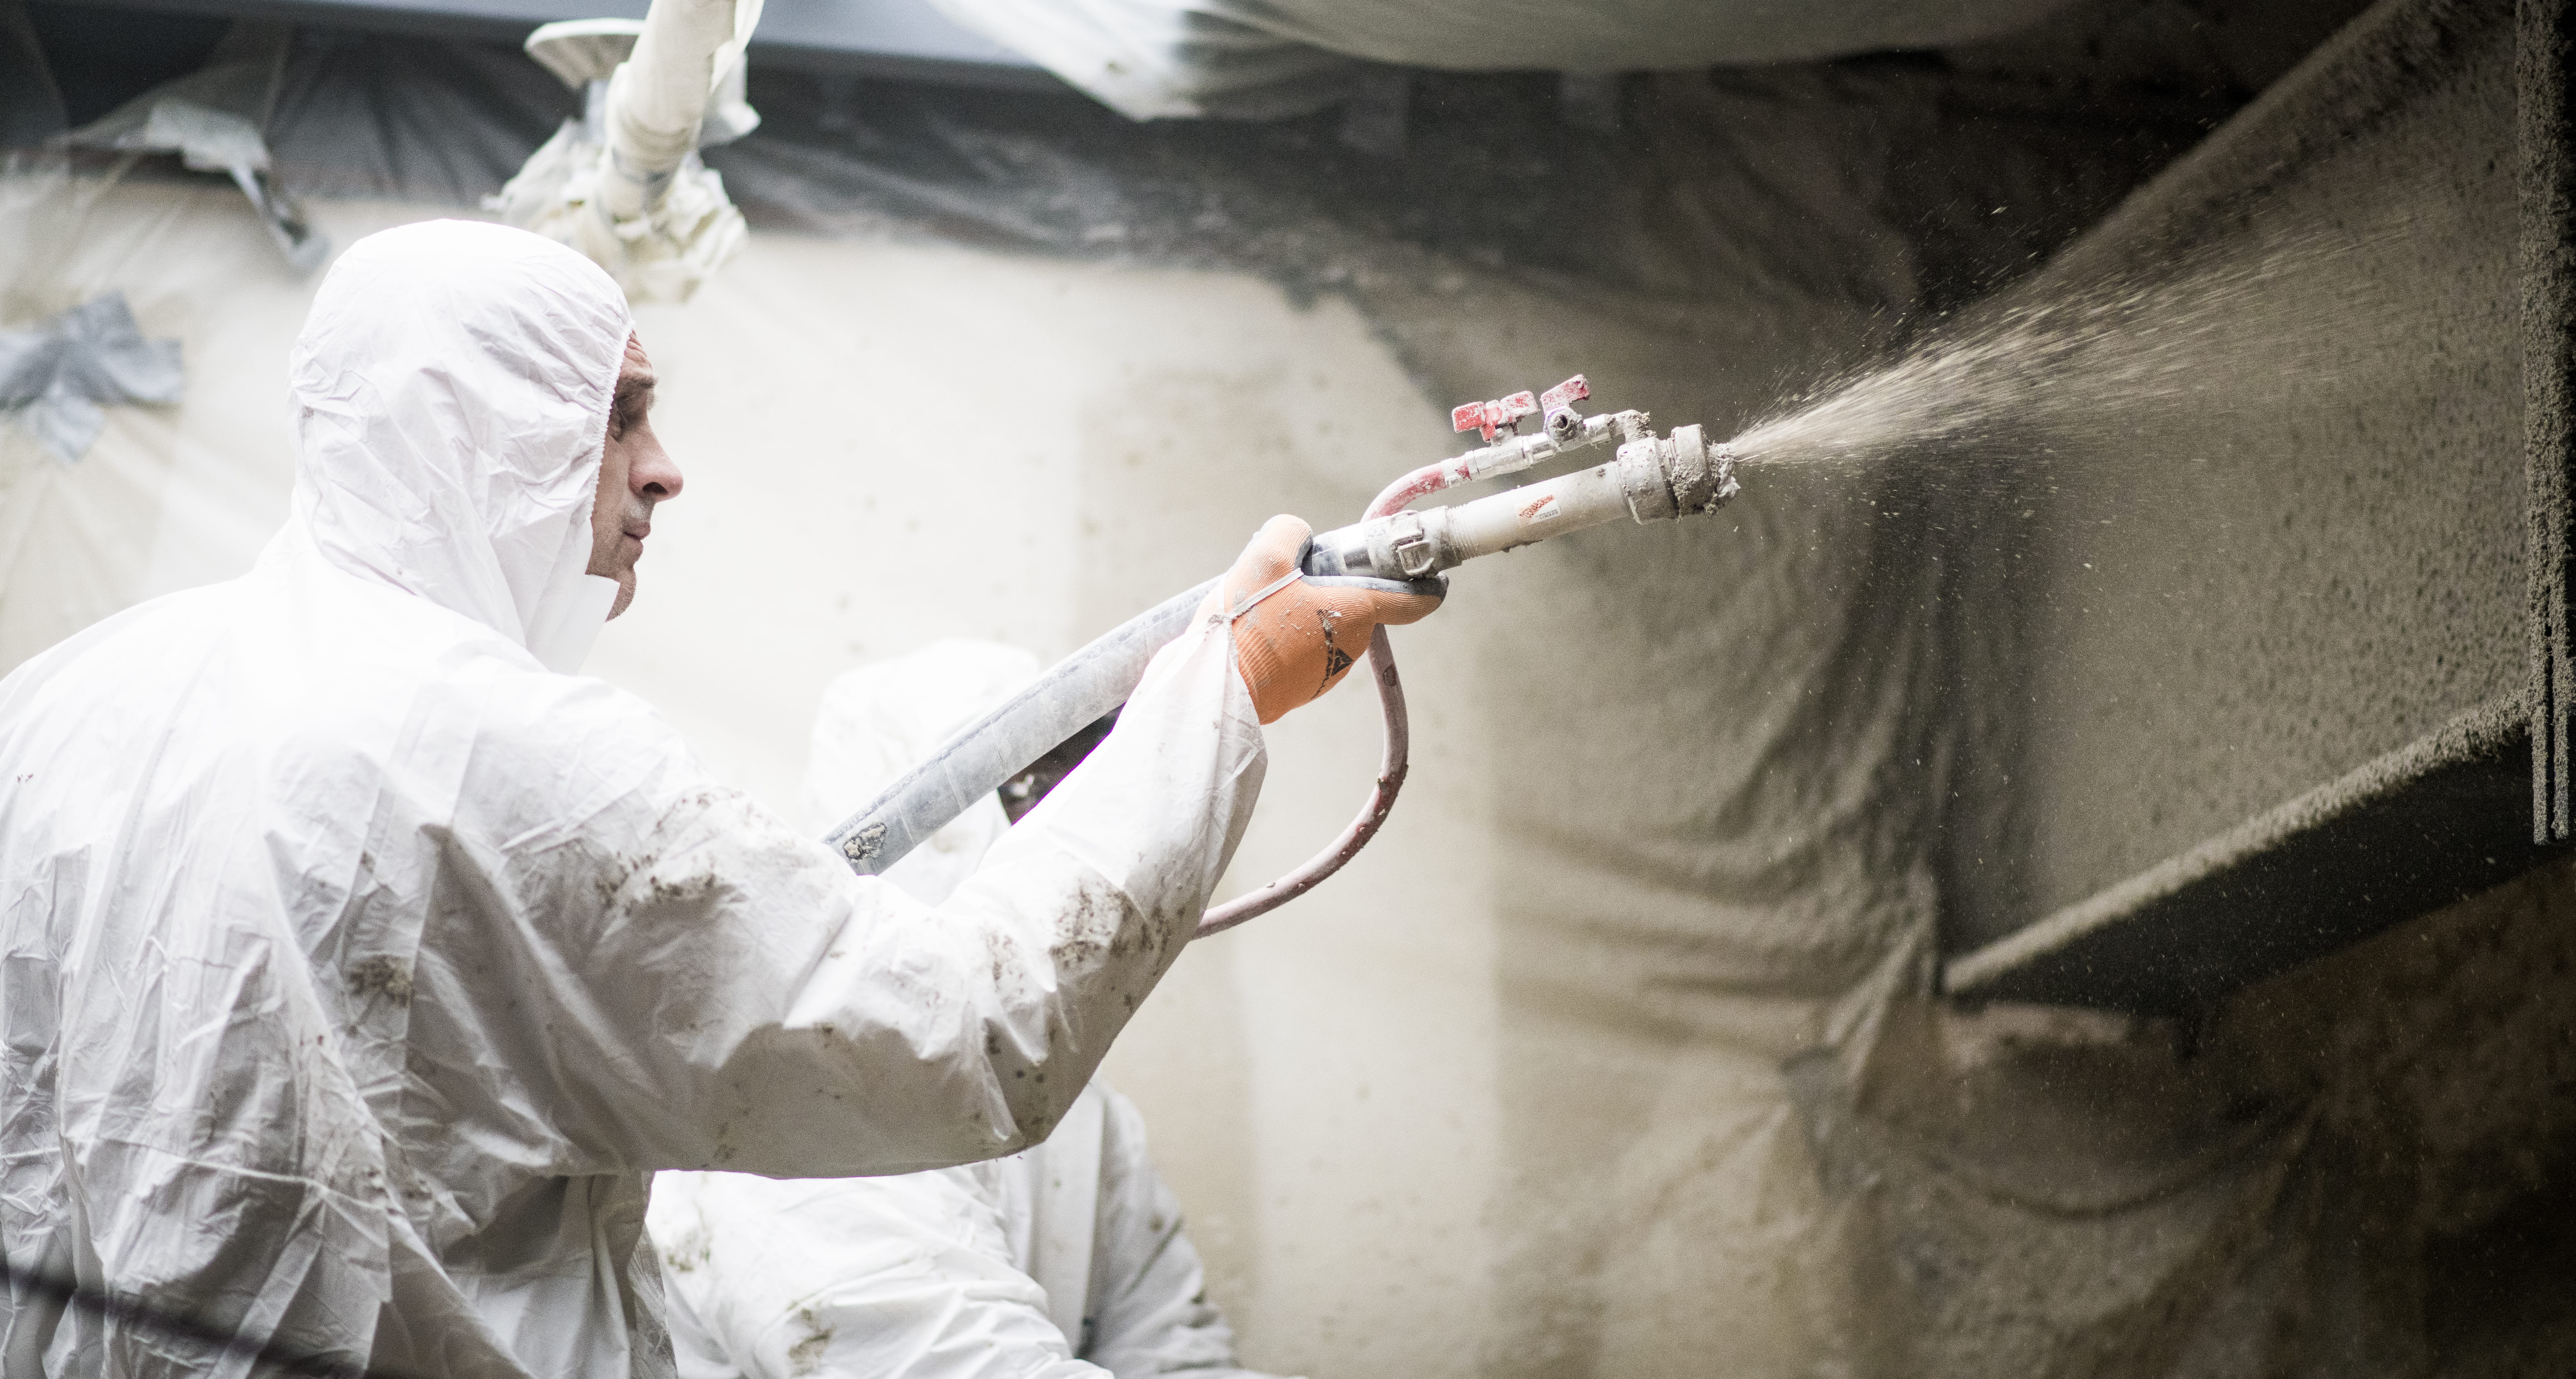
{"points": [[2315, 580], [2434, 822]]}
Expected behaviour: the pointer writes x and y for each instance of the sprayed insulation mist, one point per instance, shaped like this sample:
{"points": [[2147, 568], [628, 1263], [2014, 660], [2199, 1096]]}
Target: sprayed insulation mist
{"points": [[2053, 366]]}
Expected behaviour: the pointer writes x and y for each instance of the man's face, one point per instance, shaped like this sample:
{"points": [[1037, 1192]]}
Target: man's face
{"points": [[634, 474]]}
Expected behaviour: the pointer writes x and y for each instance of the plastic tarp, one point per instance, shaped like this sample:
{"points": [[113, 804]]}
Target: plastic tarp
{"points": [[212, 121]]}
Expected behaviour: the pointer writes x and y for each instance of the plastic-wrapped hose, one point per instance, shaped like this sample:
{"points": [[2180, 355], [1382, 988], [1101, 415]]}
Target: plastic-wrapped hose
{"points": [[658, 96], [1001, 744], [1078, 690]]}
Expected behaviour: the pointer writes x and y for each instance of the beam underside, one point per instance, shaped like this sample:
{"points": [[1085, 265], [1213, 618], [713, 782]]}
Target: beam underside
{"points": [[2469, 807], [2433, 823]]}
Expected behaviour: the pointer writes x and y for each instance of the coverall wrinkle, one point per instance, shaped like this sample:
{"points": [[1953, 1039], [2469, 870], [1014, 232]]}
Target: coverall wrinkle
{"points": [[360, 965]]}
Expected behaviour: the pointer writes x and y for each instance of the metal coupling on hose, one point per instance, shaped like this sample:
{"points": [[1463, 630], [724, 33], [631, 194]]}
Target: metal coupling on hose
{"points": [[1675, 476]]}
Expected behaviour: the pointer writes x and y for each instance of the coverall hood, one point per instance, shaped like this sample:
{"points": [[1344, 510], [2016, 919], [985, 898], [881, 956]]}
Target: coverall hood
{"points": [[452, 390]]}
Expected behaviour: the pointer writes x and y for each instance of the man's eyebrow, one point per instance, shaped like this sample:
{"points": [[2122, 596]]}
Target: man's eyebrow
{"points": [[634, 386]]}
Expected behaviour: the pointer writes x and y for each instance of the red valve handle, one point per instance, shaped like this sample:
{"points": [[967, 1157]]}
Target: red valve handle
{"points": [[1490, 417]]}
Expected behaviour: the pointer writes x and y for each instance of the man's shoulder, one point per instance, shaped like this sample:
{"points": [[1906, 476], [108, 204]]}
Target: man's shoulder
{"points": [[337, 670]]}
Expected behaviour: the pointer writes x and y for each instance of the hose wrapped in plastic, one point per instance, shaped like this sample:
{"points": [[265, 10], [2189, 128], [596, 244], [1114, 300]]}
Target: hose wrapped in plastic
{"points": [[1076, 691]]}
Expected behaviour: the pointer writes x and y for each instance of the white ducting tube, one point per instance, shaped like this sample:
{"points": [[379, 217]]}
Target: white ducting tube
{"points": [[658, 97], [624, 186]]}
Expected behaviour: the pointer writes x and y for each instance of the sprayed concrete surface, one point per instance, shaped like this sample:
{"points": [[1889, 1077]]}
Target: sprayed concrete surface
{"points": [[2359, 1168], [2318, 558], [2240, 476]]}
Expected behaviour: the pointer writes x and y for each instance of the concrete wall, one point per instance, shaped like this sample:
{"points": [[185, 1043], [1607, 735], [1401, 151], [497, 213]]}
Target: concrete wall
{"points": [[2261, 518]]}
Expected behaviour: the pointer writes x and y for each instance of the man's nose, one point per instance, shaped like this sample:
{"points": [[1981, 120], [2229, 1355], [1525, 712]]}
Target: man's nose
{"points": [[655, 477]]}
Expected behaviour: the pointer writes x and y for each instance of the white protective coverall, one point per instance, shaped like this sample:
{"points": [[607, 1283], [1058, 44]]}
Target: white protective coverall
{"points": [[356, 969], [1058, 1262]]}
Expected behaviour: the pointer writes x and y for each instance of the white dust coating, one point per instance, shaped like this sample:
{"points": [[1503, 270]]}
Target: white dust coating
{"points": [[2051, 367]]}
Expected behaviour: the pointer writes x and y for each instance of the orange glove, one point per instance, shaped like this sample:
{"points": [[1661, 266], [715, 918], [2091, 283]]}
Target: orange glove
{"points": [[1295, 636]]}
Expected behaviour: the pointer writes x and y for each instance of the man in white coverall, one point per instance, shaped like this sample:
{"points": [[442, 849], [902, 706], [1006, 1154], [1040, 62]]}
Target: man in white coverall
{"points": [[1058, 1262], [358, 962]]}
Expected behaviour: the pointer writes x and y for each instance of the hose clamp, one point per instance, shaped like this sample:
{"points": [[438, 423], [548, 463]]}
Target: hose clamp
{"points": [[1703, 475], [1640, 472]]}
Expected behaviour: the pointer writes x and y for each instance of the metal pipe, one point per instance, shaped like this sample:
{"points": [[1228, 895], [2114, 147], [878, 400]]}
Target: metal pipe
{"points": [[1652, 479], [1566, 432]]}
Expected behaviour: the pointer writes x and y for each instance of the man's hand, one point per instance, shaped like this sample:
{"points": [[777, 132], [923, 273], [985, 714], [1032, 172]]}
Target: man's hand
{"points": [[1295, 637]]}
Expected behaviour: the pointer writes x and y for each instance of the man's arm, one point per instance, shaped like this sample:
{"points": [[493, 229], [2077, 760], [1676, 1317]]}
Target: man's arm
{"points": [[634, 968]]}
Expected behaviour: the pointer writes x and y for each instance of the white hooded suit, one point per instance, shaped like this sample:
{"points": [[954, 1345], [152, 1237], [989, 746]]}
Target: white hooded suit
{"points": [[356, 969]]}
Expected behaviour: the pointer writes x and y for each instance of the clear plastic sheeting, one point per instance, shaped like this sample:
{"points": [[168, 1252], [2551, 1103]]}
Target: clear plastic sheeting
{"points": [[429, 122], [55, 377], [1154, 60], [167, 496]]}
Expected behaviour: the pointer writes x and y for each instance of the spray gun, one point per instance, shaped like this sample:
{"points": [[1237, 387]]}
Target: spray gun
{"points": [[1649, 478]]}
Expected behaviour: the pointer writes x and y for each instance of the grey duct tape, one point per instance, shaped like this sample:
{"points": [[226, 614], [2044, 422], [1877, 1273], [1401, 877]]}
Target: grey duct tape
{"points": [[58, 377]]}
